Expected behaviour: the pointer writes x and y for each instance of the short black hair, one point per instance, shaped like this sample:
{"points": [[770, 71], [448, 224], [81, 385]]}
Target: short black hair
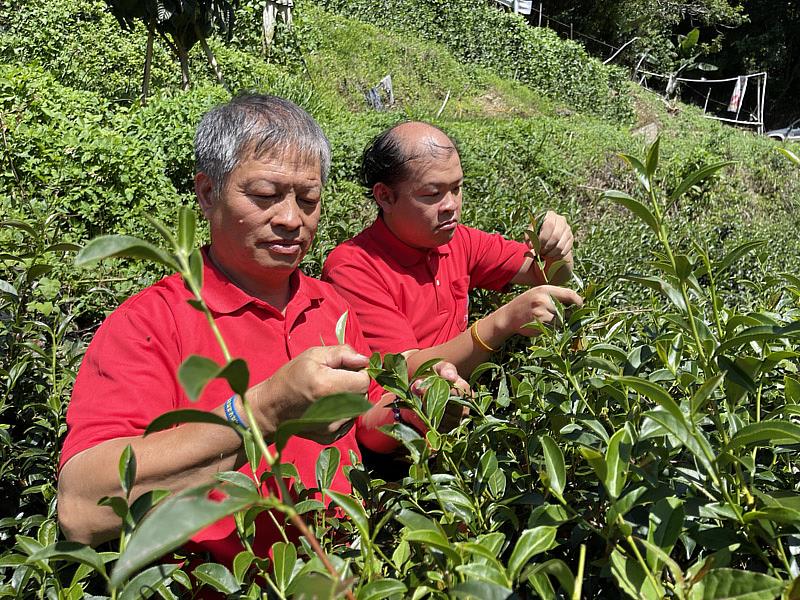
{"points": [[385, 160]]}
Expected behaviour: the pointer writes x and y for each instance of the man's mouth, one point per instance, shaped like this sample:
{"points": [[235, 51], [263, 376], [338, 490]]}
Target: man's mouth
{"points": [[286, 247], [447, 225]]}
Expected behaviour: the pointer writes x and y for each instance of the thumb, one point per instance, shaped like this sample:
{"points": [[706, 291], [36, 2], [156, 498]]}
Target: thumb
{"points": [[446, 371], [344, 357], [565, 296]]}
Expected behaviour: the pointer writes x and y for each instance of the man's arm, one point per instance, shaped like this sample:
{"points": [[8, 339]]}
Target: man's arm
{"points": [[190, 455], [469, 349], [555, 244]]}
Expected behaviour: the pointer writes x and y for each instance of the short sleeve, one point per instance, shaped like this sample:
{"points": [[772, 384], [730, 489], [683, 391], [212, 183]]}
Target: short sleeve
{"points": [[385, 326], [492, 260], [127, 377]]}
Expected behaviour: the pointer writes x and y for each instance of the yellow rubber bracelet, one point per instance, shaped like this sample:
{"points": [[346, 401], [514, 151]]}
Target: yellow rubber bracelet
{"points": [[473, 330]]}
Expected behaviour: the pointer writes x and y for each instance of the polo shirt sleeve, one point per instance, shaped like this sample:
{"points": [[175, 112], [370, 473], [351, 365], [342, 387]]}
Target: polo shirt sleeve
{"points": [[127, 378], [385, 327], [492, 260]]}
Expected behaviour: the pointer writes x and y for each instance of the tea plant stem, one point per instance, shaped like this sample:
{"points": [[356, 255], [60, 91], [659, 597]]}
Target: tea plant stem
{"points": [[574, 382], [664, 239], [713, 289], [576, 591], [640, 559]]}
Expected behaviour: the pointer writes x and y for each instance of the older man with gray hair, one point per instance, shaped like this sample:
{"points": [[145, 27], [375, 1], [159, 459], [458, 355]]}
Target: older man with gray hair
{"points": [[261, 165]]}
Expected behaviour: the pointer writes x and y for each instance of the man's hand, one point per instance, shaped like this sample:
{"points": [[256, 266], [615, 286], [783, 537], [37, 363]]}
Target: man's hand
{"points": [[536, 304], [313, 374], [454, 412], [555, 244]]}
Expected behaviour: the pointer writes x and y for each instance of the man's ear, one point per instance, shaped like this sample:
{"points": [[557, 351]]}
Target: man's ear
{"points": [[204, 190], [384, 196]]}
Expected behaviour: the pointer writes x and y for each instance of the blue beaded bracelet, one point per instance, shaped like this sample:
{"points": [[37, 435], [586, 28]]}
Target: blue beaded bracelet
{"points": [[231, 413]]}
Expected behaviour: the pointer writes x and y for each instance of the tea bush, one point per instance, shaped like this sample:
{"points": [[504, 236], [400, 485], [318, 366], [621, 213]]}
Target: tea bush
{"points": [[480, 34]]}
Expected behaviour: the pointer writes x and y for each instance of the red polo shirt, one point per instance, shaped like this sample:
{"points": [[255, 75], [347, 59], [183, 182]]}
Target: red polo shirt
{"points": [[128, 375], [409, 298]]}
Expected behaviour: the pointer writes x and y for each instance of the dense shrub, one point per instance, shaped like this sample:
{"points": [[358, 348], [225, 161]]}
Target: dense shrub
{"points": [[479, 34]]}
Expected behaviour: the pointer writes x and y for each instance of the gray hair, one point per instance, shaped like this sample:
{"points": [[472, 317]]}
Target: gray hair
{"points": [[252, 125]]}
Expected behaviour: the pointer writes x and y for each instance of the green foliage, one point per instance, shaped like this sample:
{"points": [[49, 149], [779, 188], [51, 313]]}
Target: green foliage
{"points": [[479, 34]]}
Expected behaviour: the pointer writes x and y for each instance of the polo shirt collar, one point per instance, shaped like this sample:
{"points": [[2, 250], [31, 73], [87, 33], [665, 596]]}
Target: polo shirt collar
{"points": [[404, 254], [222, 296]]}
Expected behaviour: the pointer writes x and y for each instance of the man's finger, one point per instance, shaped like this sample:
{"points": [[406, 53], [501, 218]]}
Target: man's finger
{"points": [[565, 296], [344, 357], [446, 371]]}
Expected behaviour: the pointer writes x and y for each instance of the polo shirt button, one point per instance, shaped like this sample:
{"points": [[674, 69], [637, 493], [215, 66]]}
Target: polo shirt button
{"points": [[437, 282]]}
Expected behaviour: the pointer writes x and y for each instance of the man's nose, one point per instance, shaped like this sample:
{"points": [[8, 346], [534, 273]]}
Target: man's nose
{"points": [[449, 202], [287, 213]]}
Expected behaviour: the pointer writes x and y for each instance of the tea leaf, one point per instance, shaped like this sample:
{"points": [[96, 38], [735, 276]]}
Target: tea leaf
{"points": [[354, 510], [733, 584], [185, 415], [187, 223], [696, 177], [652, 158], [766, 433], [632, 579], [174, 521], [341, 327], [218, 577], [70, 552], [639, 169], [382, 589], [327, 465], [554, 463], [146, 583], [321, 413], [197, 371], [284, 556], [530, 543], [637, 208], [123, 246], [127, 470]]}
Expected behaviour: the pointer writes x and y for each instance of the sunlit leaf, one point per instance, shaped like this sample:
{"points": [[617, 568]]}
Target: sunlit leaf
{"points": [[639, 169], [633, 580], [327, 465], [284, 555], [733, 584], [341, 327], [71, 552], [187, 223], [382, 589], [123, 246], [197, 371], [354, 510], [127, 469], [766, 433], [530, 543], [321, 413], [218, 577], [652, 158], [554, 463], [696, 177], [173, 522]]}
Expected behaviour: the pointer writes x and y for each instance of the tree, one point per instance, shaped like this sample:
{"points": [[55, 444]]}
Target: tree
{"points": [[180, 24]]}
